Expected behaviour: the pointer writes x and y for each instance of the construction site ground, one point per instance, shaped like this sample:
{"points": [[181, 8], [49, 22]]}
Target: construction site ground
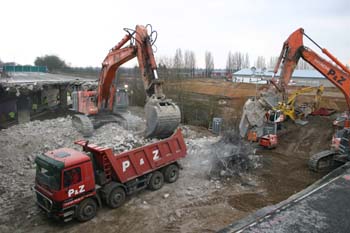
{"points": [[197, 202]]}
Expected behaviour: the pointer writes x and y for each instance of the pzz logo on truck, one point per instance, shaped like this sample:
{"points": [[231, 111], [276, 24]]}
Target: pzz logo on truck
{"points": [[126, 163], [76, 191]]}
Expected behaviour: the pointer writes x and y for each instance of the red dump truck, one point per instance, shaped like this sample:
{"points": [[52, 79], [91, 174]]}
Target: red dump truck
{"points": [[73, 184]]}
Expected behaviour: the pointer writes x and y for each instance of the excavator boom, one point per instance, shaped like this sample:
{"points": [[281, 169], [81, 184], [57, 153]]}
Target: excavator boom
{"points": [[293, 49]]}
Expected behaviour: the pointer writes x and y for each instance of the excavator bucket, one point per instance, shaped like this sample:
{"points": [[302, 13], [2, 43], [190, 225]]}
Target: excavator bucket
{"points": [[162, 118]]}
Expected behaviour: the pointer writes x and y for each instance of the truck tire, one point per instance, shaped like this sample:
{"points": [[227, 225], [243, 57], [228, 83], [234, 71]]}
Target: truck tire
{"points": [[86, 210], [171, 173], [156, 181], [116, 197]]}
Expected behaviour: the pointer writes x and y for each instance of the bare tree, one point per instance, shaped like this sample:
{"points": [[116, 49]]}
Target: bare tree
{"points": [[165, 65], [246, 63], [190, 62], [209, 63], [303, 65], [238, 60], [260, 62], [272, 62], [229, 63], [178, 61], [165, 61]]}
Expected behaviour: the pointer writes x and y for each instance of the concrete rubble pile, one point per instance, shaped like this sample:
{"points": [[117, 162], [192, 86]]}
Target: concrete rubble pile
{"points": [[222, 156], [21, 143], [232, 156], [19, 146], [120, 139], [254, 111]]}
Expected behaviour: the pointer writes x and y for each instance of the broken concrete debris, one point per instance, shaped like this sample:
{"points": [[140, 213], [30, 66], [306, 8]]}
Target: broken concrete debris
{"points": [[21, 143], [232, 156]]}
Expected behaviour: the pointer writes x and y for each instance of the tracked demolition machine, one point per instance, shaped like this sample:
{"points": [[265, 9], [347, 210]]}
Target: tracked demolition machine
{"points": [[338, 74], [105, 105]]}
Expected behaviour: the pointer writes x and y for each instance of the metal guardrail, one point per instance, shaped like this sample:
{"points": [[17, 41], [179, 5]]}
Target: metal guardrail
{"points": [[24, 69]]}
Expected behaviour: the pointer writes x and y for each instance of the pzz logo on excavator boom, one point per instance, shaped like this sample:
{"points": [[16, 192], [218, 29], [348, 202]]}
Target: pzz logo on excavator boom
{"points": [[339, 79]]}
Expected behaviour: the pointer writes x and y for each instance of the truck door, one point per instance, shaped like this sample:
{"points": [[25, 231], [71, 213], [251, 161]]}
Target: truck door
{"points": [[72, 182]]}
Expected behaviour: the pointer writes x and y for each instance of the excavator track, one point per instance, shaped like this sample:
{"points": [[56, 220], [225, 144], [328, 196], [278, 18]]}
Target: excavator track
{"points": [[83, 124], [322, 160]]}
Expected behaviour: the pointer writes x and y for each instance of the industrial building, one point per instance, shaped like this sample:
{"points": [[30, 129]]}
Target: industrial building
{"points": [[299, 77]]}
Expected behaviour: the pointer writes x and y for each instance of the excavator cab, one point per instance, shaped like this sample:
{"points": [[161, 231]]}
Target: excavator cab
{"points": [[121, 100]]}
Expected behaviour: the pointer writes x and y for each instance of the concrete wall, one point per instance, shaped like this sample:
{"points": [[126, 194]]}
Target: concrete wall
{"points": [[50, 93], [63, 96], [23, 109]]}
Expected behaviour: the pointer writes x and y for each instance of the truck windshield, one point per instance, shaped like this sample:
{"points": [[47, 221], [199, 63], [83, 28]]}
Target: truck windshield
{"points": [[48, 176]]}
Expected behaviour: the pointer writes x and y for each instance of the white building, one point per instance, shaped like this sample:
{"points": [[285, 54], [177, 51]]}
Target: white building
{"points": [[299, 77]]}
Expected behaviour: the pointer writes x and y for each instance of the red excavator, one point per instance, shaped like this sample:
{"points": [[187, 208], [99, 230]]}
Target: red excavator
{"points": [[337, 73], [99, 107]]}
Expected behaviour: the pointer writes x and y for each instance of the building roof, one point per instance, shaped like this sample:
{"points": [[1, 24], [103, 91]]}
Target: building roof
{"points": [[268, 73]]}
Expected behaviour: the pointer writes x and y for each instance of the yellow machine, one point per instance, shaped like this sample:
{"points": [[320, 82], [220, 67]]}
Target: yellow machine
{"points": [[288, 108]]}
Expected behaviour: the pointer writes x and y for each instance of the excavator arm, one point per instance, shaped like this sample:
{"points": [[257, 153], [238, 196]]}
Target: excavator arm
{"points": [[162, 115], [140, 48], [114, 59], [293, 49]]}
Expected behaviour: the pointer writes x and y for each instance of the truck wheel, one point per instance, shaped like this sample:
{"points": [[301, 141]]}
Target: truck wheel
{"points": [[86, 210], [116, 198], [156, 181], [171, 173]]}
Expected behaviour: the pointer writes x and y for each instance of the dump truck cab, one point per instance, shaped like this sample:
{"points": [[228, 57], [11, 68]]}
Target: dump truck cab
{"points": [[63, 178]]}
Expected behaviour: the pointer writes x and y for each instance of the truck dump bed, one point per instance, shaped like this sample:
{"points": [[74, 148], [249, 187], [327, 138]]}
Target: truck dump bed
{"points": [[134, 163]]}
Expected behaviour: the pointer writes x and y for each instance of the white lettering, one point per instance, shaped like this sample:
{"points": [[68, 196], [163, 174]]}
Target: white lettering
{"points": [[155, 154], [81, 188], [142, 162], [125, 165], [70, 192], [76, 192]]}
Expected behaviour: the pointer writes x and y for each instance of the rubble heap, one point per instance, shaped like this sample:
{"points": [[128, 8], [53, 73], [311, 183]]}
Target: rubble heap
{"points": [[219, 157], [232, 156], [21, 143]]}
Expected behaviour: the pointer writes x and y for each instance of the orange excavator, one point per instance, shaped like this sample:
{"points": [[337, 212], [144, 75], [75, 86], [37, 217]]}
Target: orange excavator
{"points": [[99, 107], [337, 73]]}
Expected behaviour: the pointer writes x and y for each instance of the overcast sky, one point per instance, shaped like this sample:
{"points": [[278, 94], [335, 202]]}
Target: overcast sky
{"points": [[82, 31]]}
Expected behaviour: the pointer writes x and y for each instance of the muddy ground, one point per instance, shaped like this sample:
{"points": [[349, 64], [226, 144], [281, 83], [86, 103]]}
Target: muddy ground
{"points": [[197, 202]]}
